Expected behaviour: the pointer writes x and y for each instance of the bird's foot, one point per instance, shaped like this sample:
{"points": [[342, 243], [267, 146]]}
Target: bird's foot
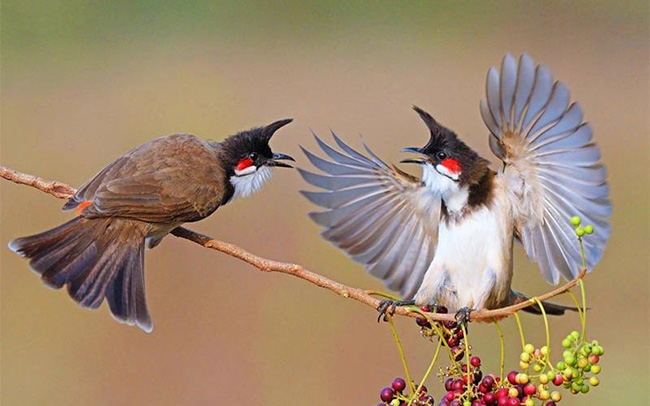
{"points": [[387, 307], [463, 317]]}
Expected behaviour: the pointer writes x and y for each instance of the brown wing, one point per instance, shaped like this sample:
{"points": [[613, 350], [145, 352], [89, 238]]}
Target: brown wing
{"points": [[167, 180]]}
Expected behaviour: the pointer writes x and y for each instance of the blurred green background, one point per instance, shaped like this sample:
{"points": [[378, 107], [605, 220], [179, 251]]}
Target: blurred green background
{"points": [[84, 81]]}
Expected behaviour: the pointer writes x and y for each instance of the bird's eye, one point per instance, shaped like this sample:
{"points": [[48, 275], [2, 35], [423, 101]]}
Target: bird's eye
{"points": [[441, 155], [253, 156]]}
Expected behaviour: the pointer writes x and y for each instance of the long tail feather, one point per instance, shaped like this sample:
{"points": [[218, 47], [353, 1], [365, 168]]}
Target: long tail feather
{"points": [[94, 258], [553, 309]]}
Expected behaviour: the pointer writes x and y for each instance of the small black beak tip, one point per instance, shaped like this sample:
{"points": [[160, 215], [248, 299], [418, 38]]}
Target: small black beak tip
{"points": [[277, 157], [412, 161]]}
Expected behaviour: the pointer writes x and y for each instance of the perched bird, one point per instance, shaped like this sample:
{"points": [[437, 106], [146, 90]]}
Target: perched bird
{"points": [[140, 197], [448, 238]]}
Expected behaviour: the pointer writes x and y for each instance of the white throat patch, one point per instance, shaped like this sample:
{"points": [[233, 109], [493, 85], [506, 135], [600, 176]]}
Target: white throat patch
{"points": [[455, 197], [249, 182]]}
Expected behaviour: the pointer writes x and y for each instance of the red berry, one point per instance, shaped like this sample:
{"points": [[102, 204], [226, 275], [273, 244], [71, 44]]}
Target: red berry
{"points": [[511, 377], [475, 361], [449, 384], [489, 398], [593, 359], [502, 393], [488, 381], [530, 389], [449, 324], [422, 322], [442, 309], [387, 394], [513, 402], [450, 396], [398, 384], [426, 309], [502, 401], [423, 389], [453, 342], [558, 380], [551, 404]]}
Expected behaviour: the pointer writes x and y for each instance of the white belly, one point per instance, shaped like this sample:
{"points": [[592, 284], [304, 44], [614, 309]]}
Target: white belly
{"points": [[472, 266]]}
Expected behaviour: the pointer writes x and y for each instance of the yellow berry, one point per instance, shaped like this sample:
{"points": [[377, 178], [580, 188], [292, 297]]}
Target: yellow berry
{"points": [[593, 381], [556, 396]]}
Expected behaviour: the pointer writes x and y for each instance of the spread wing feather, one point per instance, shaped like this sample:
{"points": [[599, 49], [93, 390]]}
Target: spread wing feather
{"points": [[379, 215], [552, 169]]}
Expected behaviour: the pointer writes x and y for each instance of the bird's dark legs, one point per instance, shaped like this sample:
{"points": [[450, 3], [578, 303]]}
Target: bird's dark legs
{"points": [[388, 306], [463, 317]]}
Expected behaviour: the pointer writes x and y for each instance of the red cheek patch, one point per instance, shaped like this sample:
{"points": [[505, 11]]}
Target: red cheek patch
{"points": [[451, 164], [244, 163]]}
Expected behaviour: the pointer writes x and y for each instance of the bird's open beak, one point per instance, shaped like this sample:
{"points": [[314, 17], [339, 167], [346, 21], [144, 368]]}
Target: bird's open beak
{"points": [[277, 157], [414, 150]]}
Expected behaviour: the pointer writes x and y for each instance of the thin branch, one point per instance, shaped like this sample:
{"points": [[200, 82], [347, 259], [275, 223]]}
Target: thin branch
{"points": [[63, 191]]}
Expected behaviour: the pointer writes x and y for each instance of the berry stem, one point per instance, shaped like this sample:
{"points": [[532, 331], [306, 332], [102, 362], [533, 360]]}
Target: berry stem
{"points": [[548, 333], [580, 312], [401, 351], [521, 330], [428, 372], [382, 294], [439, 333], [469, 370], [582, 290], [503, 348], [584, 309]]}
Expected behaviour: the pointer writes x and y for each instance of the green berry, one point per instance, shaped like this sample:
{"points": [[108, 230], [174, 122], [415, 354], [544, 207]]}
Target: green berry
{"points": [[529, 348], [561, 365], [537, 368], [570, 360], [580, 231], [544, 350], [575, 335], [575, 221], [566, 343], [525, 357], [467, 403], [584, 388], [589, 229]]}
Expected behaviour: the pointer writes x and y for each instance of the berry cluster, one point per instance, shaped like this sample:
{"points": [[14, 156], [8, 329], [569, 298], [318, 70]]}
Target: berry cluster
{"points": [[580, 364], [396, 395], [579, 230], [449, 330]]}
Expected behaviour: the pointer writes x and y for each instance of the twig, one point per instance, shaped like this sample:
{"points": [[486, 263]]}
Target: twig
{"points": [[63, 191]]}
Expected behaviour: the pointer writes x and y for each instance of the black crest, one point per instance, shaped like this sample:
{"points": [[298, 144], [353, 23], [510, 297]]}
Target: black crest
{"points": [[256, 140], [442, 139]]}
